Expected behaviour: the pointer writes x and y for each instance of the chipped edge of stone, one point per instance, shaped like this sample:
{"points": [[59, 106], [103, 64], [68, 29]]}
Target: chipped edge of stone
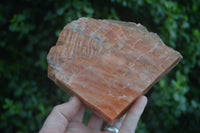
{"points": [[144, 31], [139, 27]]}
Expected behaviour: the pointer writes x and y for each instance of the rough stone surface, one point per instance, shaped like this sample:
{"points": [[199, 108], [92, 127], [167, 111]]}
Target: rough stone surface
{"points": [[108, 64]]}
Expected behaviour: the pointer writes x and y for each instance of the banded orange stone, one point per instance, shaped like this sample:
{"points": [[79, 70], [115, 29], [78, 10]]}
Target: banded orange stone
{"points": [[108, 64]]}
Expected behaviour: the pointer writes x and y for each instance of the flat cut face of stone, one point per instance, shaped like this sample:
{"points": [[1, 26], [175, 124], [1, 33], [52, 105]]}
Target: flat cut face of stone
{"points": [[108, 64]]}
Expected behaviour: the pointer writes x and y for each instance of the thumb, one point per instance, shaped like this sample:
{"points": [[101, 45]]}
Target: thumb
{"points": [[60, 116]]}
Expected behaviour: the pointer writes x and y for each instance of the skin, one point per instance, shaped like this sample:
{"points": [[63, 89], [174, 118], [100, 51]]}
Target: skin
{"points": [[67, 118]]}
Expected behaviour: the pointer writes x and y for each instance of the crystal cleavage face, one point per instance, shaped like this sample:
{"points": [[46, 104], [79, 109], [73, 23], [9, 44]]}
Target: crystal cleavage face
{"points": [[108, 64]]}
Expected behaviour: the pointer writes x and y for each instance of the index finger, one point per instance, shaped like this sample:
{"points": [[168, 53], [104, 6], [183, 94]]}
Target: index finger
{"points": [[130, 123]]}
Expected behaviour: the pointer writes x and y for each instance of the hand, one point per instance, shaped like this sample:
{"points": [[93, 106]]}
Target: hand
{"points": [[67, 118]]}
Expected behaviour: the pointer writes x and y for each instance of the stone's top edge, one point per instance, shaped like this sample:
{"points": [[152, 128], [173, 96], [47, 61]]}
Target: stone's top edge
{"points": [[128, 25], [124, 24]]}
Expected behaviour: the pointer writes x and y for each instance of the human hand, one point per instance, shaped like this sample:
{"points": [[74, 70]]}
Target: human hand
{"points": [[67, 118]]}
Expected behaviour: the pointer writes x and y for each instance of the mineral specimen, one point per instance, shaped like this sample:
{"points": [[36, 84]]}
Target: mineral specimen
{"points": [[108, 64]]}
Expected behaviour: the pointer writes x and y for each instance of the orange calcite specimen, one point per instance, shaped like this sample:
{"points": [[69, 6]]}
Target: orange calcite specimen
{"points": [[108, 64]]}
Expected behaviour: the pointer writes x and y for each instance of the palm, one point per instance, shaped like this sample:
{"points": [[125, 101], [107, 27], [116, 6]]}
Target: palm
{"points": [[77, 127]]}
